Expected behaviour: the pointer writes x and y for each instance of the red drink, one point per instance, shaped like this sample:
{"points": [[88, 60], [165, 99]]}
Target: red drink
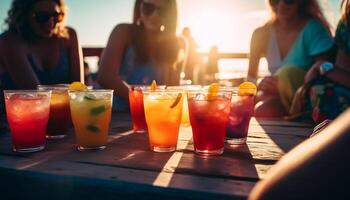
{"points": [[60, 120], [209, 116], [27, 114], [238, 124], [137, 110]]}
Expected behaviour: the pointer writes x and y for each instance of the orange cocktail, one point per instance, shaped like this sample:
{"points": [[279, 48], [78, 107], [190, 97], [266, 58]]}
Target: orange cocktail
{"points": [[91, 114], [163, 110]]}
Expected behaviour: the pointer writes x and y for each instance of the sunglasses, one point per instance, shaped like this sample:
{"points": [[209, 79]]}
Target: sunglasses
{"points": [[149, 8], [42, 17], [287, 2]]}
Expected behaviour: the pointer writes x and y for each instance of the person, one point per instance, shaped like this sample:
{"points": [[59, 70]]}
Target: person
{"points": [[212, 64], [296, 36], [327, 84], [318, 168], [192, 60], [145, 50], [37, 47]]}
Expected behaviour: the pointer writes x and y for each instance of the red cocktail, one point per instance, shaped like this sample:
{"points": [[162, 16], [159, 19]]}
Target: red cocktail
{"points": [[60, 118], [137, 110], [209, 115], [27, 115]]}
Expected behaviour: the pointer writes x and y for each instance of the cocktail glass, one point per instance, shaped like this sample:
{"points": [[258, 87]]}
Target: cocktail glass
{"points": [[185, 119], [242, 108], [136, 107], [163, 110], [27, 114], [209, 116], [60, 118], [91, 114]]}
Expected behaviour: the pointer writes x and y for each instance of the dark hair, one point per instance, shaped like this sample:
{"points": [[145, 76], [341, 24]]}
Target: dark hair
{"points": [[309, 9], [138, 39], [345, 8], [17, 20]]}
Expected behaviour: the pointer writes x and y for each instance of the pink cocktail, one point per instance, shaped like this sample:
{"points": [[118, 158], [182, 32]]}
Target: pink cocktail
{"points": [[242, 108], [27, 114]]}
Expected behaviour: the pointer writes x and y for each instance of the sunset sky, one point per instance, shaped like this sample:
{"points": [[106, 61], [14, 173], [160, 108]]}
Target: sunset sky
{"points": [[225, 23]]}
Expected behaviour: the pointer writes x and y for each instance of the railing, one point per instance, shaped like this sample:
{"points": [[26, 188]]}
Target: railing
{"points": [[96, 51]]}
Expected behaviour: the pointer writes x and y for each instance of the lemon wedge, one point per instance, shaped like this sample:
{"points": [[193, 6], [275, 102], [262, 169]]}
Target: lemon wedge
{"points": [[213, 90], [77, 86], [154, 85], [247, 88]]}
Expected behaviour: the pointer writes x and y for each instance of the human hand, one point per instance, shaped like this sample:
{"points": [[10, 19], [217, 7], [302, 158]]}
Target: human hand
{"points": [[313, 72], [269, 85]]}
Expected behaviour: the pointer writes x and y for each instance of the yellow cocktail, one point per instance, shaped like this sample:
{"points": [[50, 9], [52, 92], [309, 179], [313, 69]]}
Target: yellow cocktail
{"points": [[185, 119], [163, 110], [91, 115]]}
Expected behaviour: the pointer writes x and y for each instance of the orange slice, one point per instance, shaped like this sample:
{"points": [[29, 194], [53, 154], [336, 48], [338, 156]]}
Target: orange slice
{"points": [[154, 85], [213, 90], [247, 88], [77, 86]]}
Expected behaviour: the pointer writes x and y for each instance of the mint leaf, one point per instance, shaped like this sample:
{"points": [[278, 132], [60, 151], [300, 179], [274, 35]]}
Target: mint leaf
{"points": [[92, 128], [97, 110]]}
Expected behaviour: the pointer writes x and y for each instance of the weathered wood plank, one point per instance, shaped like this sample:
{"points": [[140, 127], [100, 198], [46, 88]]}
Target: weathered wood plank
{"points": [[127, 163]]}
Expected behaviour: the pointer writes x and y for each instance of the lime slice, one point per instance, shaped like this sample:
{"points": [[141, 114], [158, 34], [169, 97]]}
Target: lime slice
{"points": [[247, 88], [97, 110], [177, 100], [77, 86], [90, 98], [92, 128], [154, 85], [213, 90]]}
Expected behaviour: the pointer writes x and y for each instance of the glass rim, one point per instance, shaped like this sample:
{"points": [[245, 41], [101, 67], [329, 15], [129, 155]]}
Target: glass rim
{"points": [[25, 91], [162, 91], [91, 91], [207, 92]]}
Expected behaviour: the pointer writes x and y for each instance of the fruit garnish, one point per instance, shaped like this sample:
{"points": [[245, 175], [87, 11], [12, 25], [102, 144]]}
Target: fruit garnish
{"points": [[90, 98], [92, 128], [97, 110], [213, 90], [177, 100], [77, 86], [154, 85], [247, 88]]}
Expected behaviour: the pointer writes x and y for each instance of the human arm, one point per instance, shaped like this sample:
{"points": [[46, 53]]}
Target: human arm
{"points": [[339, 74], [110, 62], [257, 48], [14, 61], [75, 57], [316, 169]]}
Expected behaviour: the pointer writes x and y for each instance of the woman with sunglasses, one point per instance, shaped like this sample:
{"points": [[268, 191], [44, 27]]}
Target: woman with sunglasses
{"points": [[143, 51], [296, 36], [37, 47]]}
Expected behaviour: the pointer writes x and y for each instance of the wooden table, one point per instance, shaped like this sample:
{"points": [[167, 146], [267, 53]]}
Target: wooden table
{"points": [[128, 169]]}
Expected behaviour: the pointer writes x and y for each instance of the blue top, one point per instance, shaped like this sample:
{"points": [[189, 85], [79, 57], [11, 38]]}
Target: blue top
{"points": [[58, 74], [313, 40], [135, 74]]}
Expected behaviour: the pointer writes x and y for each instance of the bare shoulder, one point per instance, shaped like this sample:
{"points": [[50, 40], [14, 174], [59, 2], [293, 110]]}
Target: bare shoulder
{"points": [[261, 32], [72, 37], [11, 44], [122, 31]]}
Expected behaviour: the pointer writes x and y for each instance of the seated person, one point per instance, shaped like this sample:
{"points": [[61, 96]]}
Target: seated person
{"points": [[295, 38], [37, 47], [329, 83], [143, 51]]}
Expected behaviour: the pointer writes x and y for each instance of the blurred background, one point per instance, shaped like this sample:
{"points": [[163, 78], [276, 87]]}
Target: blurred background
{"points": [[226, 24]]}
